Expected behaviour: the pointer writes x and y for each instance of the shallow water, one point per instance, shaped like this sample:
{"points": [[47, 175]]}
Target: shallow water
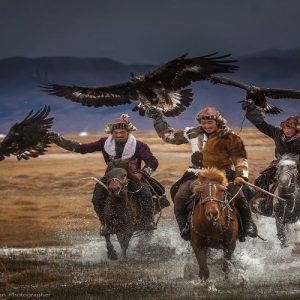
{"points": [[166, 268]]}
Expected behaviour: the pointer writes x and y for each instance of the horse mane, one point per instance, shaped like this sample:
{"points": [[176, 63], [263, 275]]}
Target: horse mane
{"points": [[210, 175], [288, 159]]}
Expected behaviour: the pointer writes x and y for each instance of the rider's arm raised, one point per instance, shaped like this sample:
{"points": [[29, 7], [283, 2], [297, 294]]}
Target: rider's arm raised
{"points": [[166, 132], [257, 119]]}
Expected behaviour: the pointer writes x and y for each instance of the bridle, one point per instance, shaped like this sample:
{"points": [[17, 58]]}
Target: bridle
{"points": [[210, 198], [123, 184]]}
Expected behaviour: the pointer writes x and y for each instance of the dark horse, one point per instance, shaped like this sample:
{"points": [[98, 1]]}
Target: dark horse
{"points": [[122, 213], [213, 222], [287, 209]]}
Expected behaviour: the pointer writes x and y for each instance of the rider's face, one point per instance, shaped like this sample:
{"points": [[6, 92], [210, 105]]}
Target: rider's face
{"points": [[120, 135], [209, 126], [289, 132]]}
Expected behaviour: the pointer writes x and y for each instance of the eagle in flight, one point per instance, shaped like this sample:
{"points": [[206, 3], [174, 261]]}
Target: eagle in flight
{"points": [[162, 88], [28, 138], [259, 94]]}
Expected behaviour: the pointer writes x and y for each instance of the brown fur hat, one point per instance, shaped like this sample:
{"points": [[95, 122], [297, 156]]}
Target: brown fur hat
{"points": [[211, 113], [291, 122]]}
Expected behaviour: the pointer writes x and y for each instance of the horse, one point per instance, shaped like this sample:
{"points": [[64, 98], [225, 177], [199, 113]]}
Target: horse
{"points": [[213, 222], [121, 212], [286, 211]]}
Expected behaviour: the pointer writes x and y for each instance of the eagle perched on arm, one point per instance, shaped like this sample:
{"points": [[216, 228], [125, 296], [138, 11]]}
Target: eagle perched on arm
{"points": [[162, 88], [259, 94], [28, 138]]}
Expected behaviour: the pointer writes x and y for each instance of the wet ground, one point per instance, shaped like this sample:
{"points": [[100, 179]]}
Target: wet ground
{"points": [[163, 268]]}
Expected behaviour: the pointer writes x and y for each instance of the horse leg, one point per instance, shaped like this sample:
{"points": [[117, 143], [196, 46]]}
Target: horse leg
{"points": [[281, 233], [124, 239], [227, 253], [201, 256], [111, 252]]}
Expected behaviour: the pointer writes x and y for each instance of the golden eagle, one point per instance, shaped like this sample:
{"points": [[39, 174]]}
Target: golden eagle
{"points": [[259, 94], [162, 88], [28, 138]]}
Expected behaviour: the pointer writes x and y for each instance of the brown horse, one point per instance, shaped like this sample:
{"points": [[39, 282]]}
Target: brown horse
{"points": [[213, 222]]}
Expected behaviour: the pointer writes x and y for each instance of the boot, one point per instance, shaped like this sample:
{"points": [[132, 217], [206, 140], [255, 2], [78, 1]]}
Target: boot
{"points": [[147, 208], [249, 227], [184, 228]]}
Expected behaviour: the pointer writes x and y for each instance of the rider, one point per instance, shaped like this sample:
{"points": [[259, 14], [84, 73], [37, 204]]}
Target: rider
{"points": [[120, 144], [286, 138], [217, 147]]}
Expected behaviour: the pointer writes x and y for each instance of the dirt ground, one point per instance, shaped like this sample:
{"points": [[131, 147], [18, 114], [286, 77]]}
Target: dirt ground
{"points": [[45, 204]]}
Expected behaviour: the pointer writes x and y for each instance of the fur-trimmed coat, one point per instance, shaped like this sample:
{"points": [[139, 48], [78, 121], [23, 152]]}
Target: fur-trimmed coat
{"points": [[222, 149]]}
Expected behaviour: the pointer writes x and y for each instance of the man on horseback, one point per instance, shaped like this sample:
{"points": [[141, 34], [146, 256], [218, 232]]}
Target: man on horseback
{"points": [[286, 138], [121, 145], [213, 145]]}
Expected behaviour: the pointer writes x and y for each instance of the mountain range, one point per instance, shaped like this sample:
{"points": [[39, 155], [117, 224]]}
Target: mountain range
{"points": [[21, 77]]}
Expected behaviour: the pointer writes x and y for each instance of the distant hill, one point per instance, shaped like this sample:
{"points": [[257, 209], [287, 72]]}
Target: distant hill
{"points": [[20, 77]]}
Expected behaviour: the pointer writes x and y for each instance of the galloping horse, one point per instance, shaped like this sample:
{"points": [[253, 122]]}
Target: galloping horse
{"points": [[121, 212], [213, 222], [286, 210], [288, 188]]}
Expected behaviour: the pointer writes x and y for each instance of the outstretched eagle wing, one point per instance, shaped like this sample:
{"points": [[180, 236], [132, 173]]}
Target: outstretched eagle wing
{"points": [[29, 137], [229, 81], [111, 95], [281, 93], [182, 71]]}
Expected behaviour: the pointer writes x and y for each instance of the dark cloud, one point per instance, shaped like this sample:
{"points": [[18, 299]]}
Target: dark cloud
{"points": [[136, 31]]}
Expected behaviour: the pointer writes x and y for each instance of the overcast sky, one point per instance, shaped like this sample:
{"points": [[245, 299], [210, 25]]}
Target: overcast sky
{"points": [[137, 31]]}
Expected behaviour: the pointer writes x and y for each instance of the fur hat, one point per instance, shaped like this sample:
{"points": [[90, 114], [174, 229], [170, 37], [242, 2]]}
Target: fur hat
{"points": [[291, 122], [120, 123], [211, 113]]}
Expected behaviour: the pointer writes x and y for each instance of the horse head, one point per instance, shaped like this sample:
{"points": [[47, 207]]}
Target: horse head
{"points": [[211, 188], [287, 172], [128, 164], [117, 181]]}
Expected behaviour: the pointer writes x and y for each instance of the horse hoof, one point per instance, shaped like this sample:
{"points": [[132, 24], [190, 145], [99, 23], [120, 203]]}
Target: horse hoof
{"points": [[112, 255]]}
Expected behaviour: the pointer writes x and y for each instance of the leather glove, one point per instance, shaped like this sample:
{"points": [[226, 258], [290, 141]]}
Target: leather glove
{"points": [[248, 104], [252, 113], [154, 113], [57, 139]]}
